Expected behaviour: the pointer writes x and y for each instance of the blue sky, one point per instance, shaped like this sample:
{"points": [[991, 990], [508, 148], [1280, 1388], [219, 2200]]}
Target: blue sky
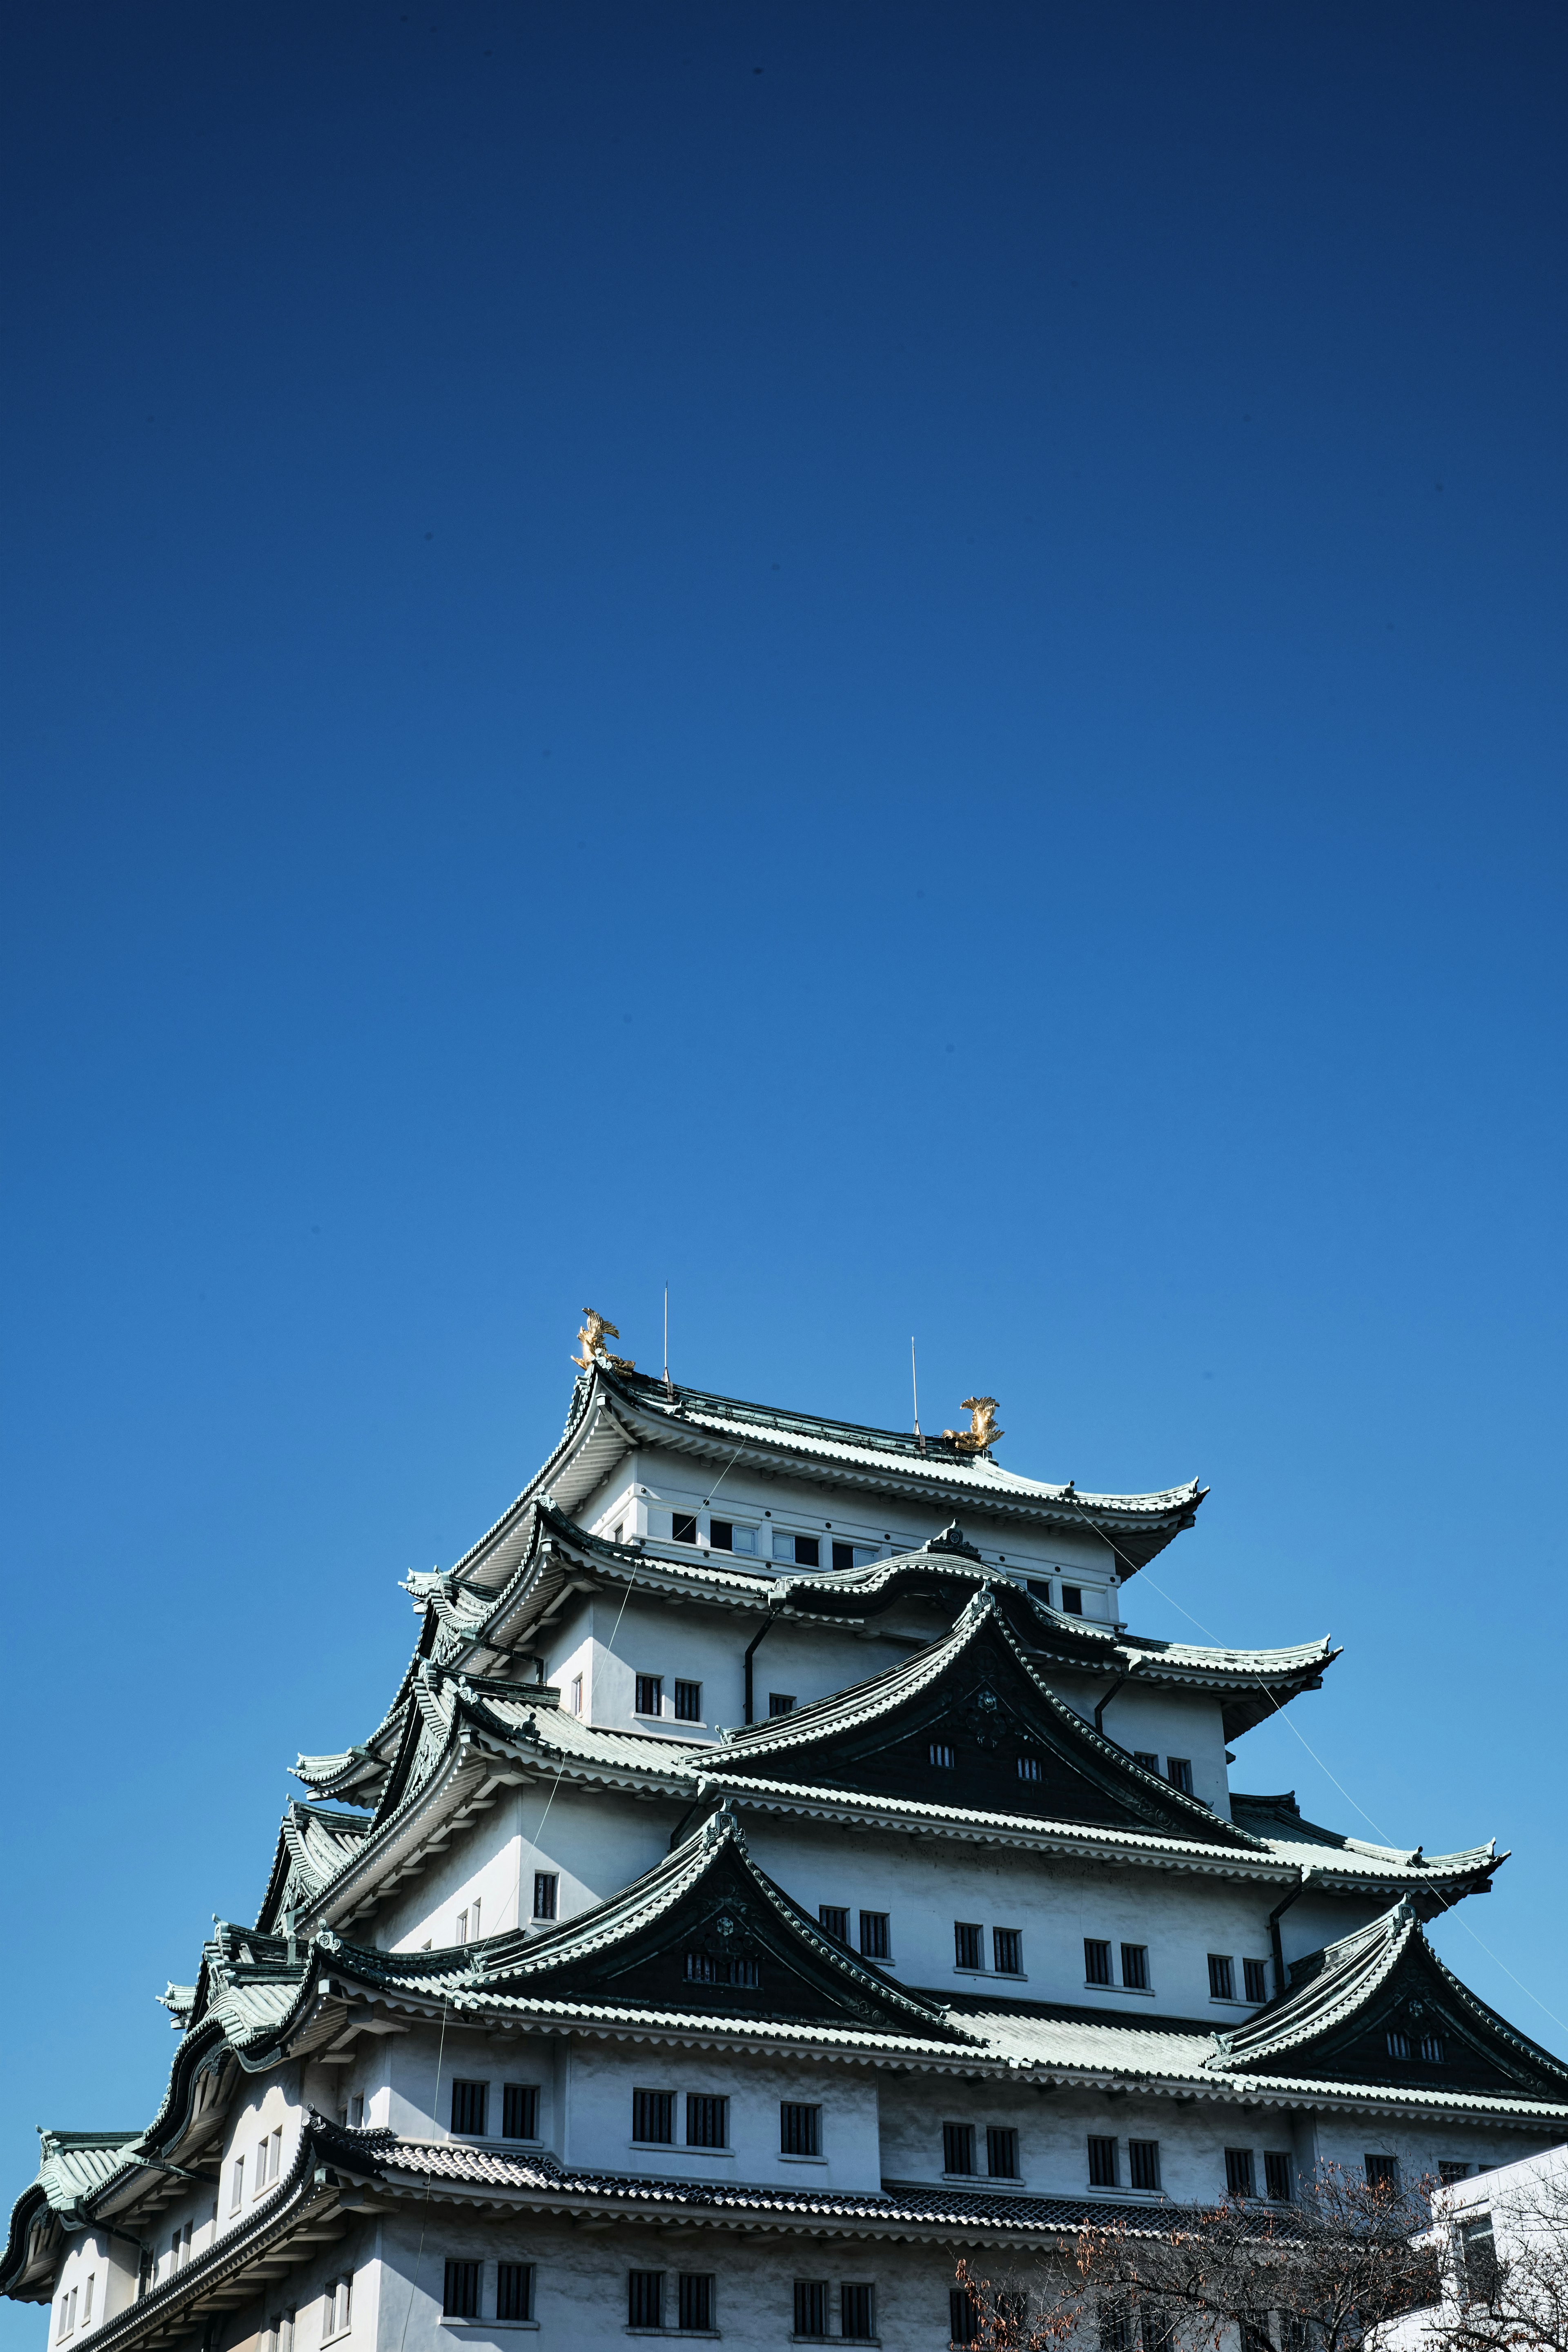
{"points": [[902, 665]]}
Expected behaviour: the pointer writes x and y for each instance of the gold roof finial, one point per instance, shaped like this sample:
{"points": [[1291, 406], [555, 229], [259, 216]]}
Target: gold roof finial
{"points": [[981, 1433], [592, 1335]]}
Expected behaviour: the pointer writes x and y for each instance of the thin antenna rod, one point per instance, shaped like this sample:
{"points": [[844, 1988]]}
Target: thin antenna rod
{"points": [[914, 1384], [666, 1334]]}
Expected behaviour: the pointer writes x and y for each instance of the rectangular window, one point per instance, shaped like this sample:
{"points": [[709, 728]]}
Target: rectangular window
{"points": [[1001, 2152], [520, 2111], [800, 2128], [1178, 1772], [1007, 1951], [968, 1944], [1398, 2043], [835, 1921], [339, 2305], [1135, 1967], [811, 2306], [688, 1701], [1239, 2176], [1254, 1982], [469, 2103], [1029, 1768], [514, 2290], [717, 1968], [721, 1535], [1279, 2175], [1102, 2161], [1478, 2252], [1142, 1756], [1432, 2049], [780, 1702], [1448, 2172], [1143, 2163], [653, 2117], [856, 2311], [941, 1755], [1115, 2327], [694, 2300], [1222, 1978], [683, 1527], [576, 1694], [1072, 1599], [958, 2149], [645, 2299], [1096, 1962], [1382, 2171], [650, 1694], [462, 1935], [807, 1551], [963, 2319], [356, 2112], [460, 2293], [546, 1893], [874, 1942], [706, 2120], [86, 2298], [234, 2201]]}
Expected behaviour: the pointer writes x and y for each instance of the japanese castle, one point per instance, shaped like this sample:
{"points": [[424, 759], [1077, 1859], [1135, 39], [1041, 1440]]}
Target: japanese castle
{"points": [[780, 1873]]}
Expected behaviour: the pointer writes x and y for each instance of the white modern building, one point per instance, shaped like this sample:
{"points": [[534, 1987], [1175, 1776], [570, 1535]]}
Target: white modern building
{"points": [[779, 1873]]}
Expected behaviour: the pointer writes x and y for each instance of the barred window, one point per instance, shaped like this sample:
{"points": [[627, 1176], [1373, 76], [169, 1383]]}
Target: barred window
{"points": [[962, 2318], [1238, 2174], [520, 2111], [653, 2117], [1398, 2044], [1102, 2161], [1222, 1978], [857, 2310], [832, 1916], [1432, 2049], [1279, 2175], [781, 1702], [1096, 1962], [469, 2103], [722, 1969], [1142, 1756], [706, 2120], [811, 2306], [1143, 2163], [546, 1893], [460, 2294], [650, 1698], [1135, 1967], [514, 2290], [1178, 1772], [800, 2128], [1254, 1981], [874, 1942], [968, 1945], [1115, 2327], [1382, 2171], [1001, 2152], [941, 1755], [1007, 1951], [1029, 1768], [645, 2299], [694, 2300], [688, 1701], [958, 2147]]}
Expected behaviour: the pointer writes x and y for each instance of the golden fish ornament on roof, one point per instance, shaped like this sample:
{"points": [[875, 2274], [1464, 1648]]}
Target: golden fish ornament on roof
{"points": [[592, 1335], [982, 1432]]}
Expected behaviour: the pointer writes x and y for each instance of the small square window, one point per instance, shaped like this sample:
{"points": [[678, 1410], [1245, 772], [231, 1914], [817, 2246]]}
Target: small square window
{"points": [[721, 1535], [834, 1919], [1178, 1772], [1382, 2171], [1135, 1967], [1449, 2171], [800, 2128], [520, 2112], [807, 1551], [514, 2290], [1001, 2152], [1143, 2163], [1007, 1951], [1398, 2044], [1431, 2047], [650, 1694], [1239, 2179], [469, 2103], [958, 2149], [683, 1527], [653, 2117], [546, 1893], [460, 2293], [1072, 1599], [688, 1701], [1279, 2175], [706, 2120], [1029, 1768], [1096, 1962], [1144, 1756], [968, 1944], [1102, 2161], [1254, 1981], [1222, 1978], [781, 1702], [941, 1755], [874, 1942]]}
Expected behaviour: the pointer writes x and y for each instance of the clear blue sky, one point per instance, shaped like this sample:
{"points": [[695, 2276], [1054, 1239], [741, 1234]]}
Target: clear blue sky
{"points": [[903, 663]]}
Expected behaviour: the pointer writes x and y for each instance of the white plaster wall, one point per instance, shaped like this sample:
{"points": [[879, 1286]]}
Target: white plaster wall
{"points": [[600, 2078], [270, 2102], [110, 2262], [1171, 1722]]}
